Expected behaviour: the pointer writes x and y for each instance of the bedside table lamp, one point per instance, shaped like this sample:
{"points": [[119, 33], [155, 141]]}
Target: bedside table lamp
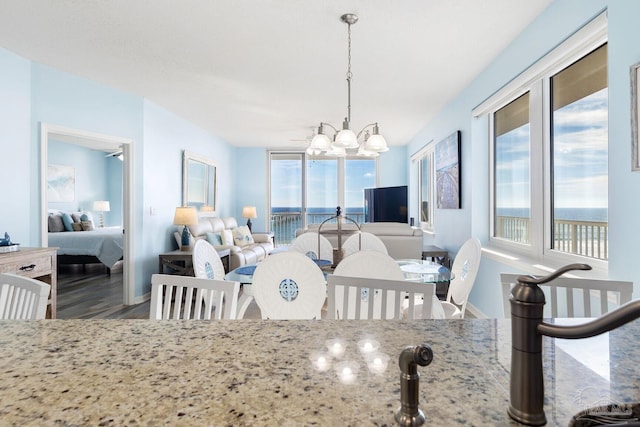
{"points": [[249, 212], [185, 216], [101, 206]]}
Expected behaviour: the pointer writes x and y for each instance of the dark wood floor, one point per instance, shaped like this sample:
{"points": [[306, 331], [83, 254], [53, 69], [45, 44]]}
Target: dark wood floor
{"points": [[90, 293]]}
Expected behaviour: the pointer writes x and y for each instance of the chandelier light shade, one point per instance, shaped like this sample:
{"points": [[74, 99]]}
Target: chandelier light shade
{"points": [[346, 138]]}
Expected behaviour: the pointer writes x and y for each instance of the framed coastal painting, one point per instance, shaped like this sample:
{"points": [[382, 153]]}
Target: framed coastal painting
{"points": [[448, 172], [635, 118], [61, 183]]}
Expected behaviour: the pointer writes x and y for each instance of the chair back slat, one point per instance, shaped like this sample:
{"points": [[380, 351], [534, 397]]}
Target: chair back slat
{"points": [[22, 298], [610, 293], [384, 299], [186, 297]]}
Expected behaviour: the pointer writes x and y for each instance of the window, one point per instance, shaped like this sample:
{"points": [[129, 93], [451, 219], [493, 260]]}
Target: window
{"points": [[424, 159], [549, 148], [310, 194]]}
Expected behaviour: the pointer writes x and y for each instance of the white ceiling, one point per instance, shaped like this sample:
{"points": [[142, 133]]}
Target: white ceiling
{"points": [[265, 72]]}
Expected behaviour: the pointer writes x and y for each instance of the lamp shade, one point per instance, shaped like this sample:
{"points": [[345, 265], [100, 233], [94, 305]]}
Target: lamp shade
{"points": [[101, 206], [336, 151], [346, 139], [320, 142], [249, 212], [185, 215]]}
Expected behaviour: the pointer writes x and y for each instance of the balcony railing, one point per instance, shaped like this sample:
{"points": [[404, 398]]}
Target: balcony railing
{"points": [[285, 224], [586, 238]]}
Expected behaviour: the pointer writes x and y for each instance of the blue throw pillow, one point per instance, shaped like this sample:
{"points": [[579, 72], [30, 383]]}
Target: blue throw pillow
{"points": [[214, 238], [67, 221]]}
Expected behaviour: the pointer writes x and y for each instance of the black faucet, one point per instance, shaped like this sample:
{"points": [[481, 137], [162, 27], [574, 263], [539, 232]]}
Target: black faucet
{"points": [[409, 413], [527, 328]]}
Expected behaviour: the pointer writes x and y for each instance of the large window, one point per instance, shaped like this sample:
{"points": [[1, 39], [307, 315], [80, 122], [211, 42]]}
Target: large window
{"points": [[549, 148], [310, 194]]}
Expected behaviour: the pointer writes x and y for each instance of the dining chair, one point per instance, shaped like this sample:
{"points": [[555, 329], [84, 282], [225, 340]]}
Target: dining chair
{"points": [[574, 297], [206, 261], [307, 244], [186, 297], [289, 285], [363, 241], [22, 298], [464, 271], [352, 295], [366, 264]]}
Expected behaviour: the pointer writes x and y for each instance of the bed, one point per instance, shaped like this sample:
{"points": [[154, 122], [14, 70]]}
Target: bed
{"points": [[103, 245]]}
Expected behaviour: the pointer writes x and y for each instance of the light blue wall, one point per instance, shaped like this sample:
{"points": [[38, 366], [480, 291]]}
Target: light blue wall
{"points": [[15, 149], [166, 136], [34, 94], [561, 19], [95, 175]]}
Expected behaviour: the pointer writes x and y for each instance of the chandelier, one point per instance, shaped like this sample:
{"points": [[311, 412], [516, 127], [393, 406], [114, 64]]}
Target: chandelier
{"points": [[369, 144]]}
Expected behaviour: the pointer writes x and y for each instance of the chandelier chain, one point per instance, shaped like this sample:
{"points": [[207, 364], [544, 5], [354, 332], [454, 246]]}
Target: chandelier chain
{"points": [[349, 74]]}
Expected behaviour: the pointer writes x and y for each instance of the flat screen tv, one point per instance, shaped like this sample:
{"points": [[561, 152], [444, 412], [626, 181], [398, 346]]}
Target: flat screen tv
{"points": [[386, 204]]}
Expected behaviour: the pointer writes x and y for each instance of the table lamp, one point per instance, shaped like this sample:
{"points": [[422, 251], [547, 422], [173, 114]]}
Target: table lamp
{"points": [[249, 212], [185, 215], [101, 206]]}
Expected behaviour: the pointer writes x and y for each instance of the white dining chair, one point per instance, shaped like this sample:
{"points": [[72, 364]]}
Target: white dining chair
{"points": [[307, 244], [363, 241], [366, 264], [392, 299], [206, 261], [186, 297], [464, 271], [574, 297], [289, 285], [22, 298]]}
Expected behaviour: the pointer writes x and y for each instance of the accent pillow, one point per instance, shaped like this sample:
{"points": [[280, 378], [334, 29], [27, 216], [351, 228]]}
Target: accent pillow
{"points": [[67, 221], [87, 225], [77, 226], [242, 236], [76, 217], [55, 223], [214, 238], [86, 216], [227, 237]]}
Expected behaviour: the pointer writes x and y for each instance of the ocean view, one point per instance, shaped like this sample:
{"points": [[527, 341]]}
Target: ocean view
{"points": [[575, 214]]}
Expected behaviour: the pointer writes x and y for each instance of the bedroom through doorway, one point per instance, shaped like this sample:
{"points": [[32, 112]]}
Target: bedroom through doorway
{"points": [[87, 176]]}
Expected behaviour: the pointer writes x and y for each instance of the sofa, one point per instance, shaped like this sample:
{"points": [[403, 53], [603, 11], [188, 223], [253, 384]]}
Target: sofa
{"points": [[402, 240], [224, 233]]}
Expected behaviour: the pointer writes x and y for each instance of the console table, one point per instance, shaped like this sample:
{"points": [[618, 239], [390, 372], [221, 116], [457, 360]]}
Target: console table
{"points": [[179, 261], [36, 263]]}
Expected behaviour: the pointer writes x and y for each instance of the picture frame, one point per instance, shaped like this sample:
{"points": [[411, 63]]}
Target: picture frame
{"points": [[448, 172], [61, 183], [199, 183], [635, 119]]}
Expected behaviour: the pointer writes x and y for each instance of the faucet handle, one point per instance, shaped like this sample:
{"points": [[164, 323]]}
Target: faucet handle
{"points": [[535, 280]]}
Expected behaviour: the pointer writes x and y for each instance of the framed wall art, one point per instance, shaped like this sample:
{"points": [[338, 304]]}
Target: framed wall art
{"points": [[635, 120], [448, 172], [61, 183]]}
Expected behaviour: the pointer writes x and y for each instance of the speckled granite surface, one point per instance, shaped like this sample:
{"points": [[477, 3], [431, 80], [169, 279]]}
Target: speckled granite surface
{"points": [[253, 372]]}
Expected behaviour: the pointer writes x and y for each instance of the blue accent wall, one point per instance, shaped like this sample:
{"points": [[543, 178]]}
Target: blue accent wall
{"points": [[561, 19], [96, 178]]}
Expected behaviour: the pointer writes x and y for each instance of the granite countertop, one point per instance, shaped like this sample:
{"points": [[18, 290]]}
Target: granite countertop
{"points": [[256, 372]]}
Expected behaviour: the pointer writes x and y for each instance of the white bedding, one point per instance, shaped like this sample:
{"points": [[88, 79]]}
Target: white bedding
{"points": [[104, 243]]}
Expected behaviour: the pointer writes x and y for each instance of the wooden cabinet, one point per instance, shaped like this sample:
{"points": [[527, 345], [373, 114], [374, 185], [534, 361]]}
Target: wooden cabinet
{"points": [[36, 263]]}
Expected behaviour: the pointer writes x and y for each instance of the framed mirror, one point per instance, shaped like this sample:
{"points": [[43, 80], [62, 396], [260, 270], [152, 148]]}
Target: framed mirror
{"points": [[199, 182]]}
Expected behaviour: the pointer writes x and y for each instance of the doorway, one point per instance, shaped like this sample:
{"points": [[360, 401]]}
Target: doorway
{"points": [[105, 143]]}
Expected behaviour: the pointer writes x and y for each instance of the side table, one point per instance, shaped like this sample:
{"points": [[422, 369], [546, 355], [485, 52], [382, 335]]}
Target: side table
{"points": [[439, 255], [179, 261], [36, 263]]}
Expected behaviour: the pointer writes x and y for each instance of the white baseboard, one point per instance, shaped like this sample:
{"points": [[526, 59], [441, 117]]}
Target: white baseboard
{"points": [[474, 313]]}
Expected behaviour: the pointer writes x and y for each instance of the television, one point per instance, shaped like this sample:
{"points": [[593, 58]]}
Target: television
{"points": [[386, 204]]}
